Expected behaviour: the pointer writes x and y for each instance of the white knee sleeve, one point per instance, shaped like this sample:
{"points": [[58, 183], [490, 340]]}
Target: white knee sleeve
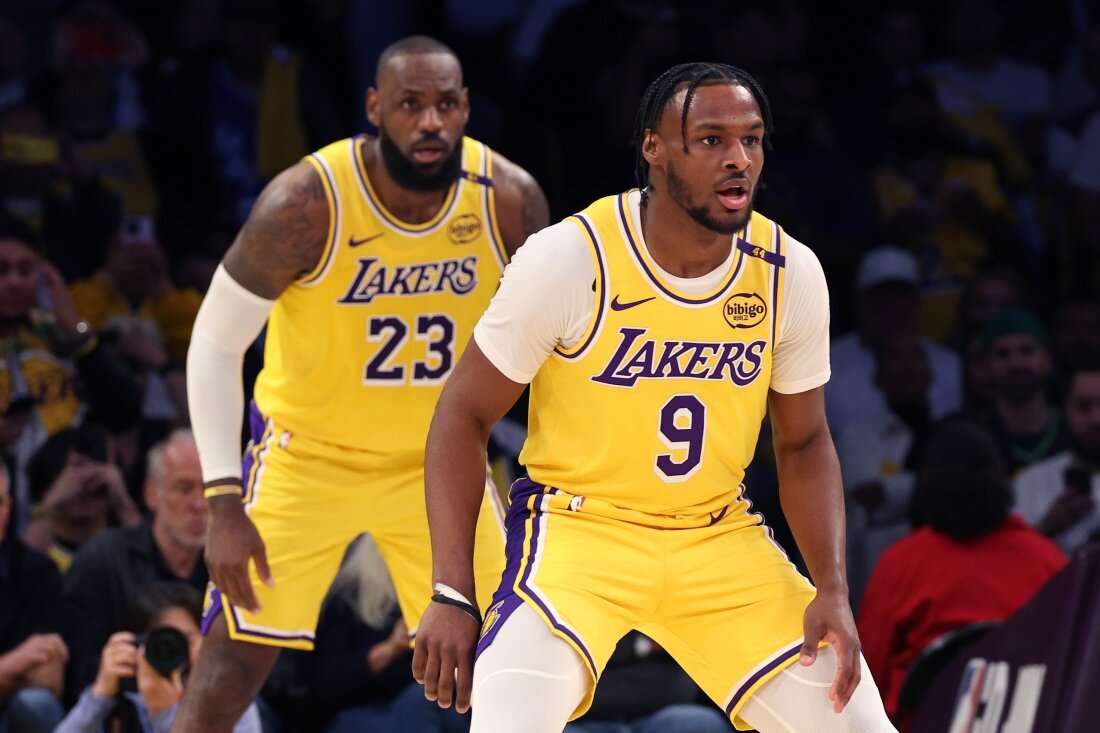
{"points": [[528, 680], [797, 701]]}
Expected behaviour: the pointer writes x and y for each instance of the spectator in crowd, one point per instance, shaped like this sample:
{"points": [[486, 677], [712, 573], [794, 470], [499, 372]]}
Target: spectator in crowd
{"points": [[148, 705], [167, 546], [1076, 332], [133, 300], [146, 320], [78, 491], [668, 704], [32, 654], [993, 289], [941, 197], [47, 186], [972, 561], [1027, 424], [52, 367], [1059, 495], [879, 457], [885, 305], [360, 673], [1006, 101]]}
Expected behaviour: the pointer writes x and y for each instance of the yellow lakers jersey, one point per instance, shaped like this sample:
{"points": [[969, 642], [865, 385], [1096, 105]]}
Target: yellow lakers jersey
{"points": [[655, 413], [358, 350]]}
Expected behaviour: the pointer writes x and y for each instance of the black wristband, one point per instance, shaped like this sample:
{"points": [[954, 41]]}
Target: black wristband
{"points": [[468, 608]]}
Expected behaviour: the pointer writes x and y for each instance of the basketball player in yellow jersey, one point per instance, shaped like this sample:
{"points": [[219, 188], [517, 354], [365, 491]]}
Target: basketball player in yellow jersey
{"points": [[374, 259], [655, 328]]}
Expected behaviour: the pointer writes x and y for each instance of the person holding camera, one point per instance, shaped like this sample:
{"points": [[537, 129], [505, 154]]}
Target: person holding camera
{"points": [[1058, 496], [143, 669]]}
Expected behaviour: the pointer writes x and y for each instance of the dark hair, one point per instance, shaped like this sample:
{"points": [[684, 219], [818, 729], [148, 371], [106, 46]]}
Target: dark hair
{"points": [[1087, 362], [13, 228], [411, 46], [658, 95], [49, 460], [963, 490], [155, 598]]}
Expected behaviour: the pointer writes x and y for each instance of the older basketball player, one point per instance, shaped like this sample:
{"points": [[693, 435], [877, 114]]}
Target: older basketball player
{"points": [[373, 258], [655, 328]]}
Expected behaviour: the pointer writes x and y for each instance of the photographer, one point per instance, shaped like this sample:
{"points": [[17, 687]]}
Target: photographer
{"points": [[141, 677]]}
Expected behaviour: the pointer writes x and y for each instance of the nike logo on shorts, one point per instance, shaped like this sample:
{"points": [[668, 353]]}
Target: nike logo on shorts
{"points": [[617, 306]]}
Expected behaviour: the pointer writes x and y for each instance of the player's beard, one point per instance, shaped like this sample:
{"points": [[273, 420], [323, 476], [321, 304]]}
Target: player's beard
{"points": [[1086, 447], [409, 175], [677, 191]]}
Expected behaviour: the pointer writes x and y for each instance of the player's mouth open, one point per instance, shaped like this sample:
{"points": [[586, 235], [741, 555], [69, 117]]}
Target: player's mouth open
{"points": [[734, 197], [428, 155]]}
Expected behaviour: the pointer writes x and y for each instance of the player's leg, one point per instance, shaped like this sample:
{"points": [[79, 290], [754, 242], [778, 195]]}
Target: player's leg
{"points": [[557, 614], [226, 679], [797, 699], [528, 680], [296, 493]]}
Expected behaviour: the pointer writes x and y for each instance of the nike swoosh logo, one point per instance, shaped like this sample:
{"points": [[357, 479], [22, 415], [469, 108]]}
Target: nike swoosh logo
{"points": [[353, 242], [617, 306]]}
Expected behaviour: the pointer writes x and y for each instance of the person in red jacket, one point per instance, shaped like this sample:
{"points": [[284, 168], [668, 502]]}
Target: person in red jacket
{"points": [[970, 561]]}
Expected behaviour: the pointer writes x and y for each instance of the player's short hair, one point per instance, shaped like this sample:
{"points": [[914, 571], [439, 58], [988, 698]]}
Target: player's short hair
{"points": [[690, 76], [412, 46]]}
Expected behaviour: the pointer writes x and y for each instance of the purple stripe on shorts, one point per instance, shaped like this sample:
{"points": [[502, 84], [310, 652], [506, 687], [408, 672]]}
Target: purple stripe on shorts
{"points": [[256, 426], [767, 668], [212, 610]]}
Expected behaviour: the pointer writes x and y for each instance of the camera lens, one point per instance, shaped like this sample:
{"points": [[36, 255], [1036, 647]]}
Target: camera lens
{"points": [[166, 650]]}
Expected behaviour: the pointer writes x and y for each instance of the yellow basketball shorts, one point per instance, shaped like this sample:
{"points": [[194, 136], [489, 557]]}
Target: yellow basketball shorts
{"points": [[721, 598], [309, 500]]}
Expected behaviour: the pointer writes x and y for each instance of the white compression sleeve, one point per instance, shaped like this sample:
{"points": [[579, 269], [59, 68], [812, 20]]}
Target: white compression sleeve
{"points": [[229, 320], [528, 680], [797, 700]]}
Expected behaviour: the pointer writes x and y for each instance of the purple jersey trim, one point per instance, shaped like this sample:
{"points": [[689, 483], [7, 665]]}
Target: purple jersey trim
{"points": [[333, 244], [782, 657], [640, 258], [455, 192], [781, 262], [772, 258], [597, 317]]}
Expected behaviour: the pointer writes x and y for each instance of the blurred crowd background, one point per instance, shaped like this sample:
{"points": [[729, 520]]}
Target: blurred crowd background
{"points": [[941, 158]]}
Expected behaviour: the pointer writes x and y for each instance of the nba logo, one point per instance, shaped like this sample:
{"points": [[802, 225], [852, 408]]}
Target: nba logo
{"points": [[575, 503]]}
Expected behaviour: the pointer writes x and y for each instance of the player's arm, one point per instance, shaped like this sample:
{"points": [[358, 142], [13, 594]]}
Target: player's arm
{"points": [[521, 206], [476, 396], [284, 237], [812, 496]]}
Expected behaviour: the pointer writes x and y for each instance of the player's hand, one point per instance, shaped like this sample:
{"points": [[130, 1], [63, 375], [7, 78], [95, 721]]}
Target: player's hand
{"points": [[828, 618], [230, 543], [445, 642]]}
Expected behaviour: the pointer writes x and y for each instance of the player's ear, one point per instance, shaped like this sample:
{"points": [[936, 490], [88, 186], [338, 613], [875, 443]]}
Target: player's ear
{"points": [[652, 147], [464, 102], [374, 107]]}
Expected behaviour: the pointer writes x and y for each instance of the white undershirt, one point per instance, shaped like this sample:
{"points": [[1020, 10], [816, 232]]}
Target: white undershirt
{"points": [[546, 300]]}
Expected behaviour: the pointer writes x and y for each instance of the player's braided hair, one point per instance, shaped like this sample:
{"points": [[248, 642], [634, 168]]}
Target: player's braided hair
{"points": [[665, 86]]}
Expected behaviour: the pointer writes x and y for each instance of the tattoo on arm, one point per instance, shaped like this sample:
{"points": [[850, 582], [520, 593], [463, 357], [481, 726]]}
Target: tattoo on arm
{"points": [[285, 234], [535, 212]]}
